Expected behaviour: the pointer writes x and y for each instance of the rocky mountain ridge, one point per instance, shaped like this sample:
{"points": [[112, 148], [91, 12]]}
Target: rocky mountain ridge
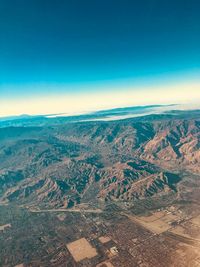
{"points": [[55, 166]]}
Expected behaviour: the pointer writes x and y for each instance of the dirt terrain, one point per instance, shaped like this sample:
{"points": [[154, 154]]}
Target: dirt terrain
{"points": [[95, 194]]}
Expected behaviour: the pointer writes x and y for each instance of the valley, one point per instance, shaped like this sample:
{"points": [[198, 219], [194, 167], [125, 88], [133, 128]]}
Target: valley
{"points": [[127, 190]]}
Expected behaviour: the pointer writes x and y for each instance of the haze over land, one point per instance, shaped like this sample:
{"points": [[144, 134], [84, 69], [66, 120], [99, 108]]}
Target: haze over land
{"points": [[182, 93]]}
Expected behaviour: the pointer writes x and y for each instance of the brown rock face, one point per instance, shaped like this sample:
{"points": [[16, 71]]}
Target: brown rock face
{"points": [[175, 144]]}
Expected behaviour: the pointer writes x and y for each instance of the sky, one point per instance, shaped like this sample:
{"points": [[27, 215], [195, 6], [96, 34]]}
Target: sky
{"points": [[76, 56]]}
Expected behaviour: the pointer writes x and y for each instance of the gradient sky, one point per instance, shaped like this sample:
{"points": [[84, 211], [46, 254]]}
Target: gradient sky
{"points": [[61, 52]]}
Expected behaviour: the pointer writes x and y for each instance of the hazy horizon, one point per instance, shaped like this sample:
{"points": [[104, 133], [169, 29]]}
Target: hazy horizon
{"points": [[182, 94], [72, 57]]}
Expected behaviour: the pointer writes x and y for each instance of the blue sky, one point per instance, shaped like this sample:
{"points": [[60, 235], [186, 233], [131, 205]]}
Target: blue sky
{"points": [[52, 48]]}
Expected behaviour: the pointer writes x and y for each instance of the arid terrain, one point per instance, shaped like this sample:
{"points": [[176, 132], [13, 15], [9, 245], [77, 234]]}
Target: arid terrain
{"points": [[101, 193]]}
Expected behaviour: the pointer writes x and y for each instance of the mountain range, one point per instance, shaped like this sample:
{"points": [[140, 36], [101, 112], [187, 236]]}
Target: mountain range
{"points": [[59, 163]]}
